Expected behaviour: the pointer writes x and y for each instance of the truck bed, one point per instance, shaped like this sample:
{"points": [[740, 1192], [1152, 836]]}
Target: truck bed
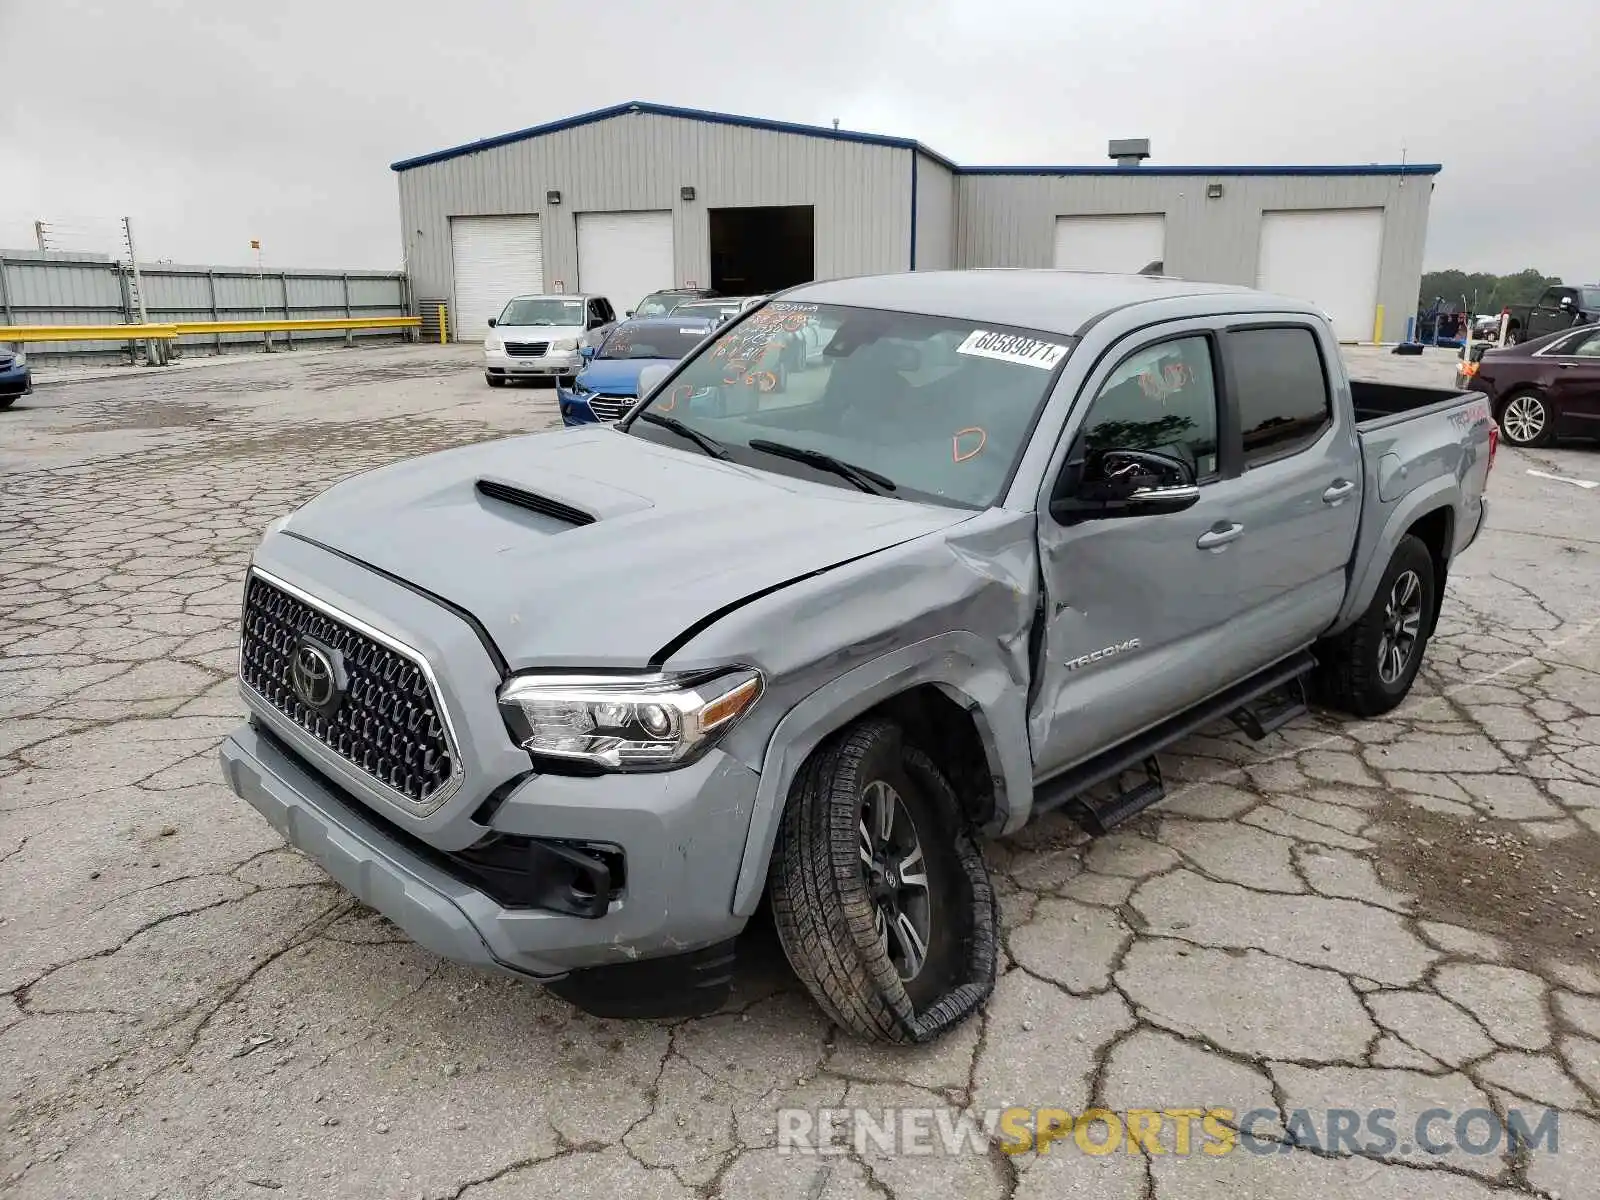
{"points": [[1379, 404]]}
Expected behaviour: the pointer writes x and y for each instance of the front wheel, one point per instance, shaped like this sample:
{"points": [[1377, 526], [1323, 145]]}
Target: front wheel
{"points": [[1525, 419], [1369, 668], [881, 898]]}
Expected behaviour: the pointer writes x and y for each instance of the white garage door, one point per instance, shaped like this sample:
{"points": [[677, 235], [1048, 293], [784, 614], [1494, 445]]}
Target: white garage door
{"points": [[1329, 257], [1127, 244], [495, 258], [624, 256]]}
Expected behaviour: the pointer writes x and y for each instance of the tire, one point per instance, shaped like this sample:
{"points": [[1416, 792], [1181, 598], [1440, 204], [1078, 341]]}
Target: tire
{"points": [[495, 380], [1526, 419], [7, 401], [1513, 337], [827, 903], [1358, 670]]}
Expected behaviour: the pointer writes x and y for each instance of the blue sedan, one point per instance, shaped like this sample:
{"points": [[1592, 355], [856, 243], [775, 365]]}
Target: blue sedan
{"points": [[15, 378], [608, 384]]}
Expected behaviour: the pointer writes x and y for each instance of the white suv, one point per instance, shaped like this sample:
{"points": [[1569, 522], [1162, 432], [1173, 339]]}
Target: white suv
{"points": [[540, 336]]}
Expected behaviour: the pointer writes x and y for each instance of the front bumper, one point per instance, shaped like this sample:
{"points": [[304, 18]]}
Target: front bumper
{"points": [[553, 365], [575, 409], [682, 833], [16, 381]]}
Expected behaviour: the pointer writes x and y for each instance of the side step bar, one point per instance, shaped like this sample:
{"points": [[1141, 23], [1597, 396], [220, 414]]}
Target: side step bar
{"points": [[1250, 704]]}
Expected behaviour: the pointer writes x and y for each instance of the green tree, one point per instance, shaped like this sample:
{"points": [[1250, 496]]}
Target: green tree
{"points": [[1482, 291]]}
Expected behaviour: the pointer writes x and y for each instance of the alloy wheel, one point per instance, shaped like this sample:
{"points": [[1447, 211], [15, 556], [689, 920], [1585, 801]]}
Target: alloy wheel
{"points": [[1524, 418], [1402, 624], [896, 875]]}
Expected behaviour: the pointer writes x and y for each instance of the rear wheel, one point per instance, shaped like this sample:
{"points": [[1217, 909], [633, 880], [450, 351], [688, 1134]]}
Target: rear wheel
{"points": [[1369, 668], [1526, 419], [880, 895], [1513, 336]]}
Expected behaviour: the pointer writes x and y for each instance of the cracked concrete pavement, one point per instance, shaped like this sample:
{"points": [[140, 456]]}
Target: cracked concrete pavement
{"points": [[1397, 913]]}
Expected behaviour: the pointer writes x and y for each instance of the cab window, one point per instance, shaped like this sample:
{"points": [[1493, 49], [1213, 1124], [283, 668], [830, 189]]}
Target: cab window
{"points": [[1161, 397], [1282, 391]]}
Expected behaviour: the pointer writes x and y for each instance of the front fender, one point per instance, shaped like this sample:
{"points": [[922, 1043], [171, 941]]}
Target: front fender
{"points": [[969, 670]]}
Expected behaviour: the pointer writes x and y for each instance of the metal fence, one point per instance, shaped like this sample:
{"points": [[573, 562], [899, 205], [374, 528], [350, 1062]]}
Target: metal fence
{"points": [[50, 288]]}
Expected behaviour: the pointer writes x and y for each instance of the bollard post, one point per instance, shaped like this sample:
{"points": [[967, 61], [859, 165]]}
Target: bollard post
{"points": [[442, 338], [1377, 327]]}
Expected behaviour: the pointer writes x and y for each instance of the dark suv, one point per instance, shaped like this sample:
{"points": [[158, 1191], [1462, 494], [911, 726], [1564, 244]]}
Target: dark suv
{"points": [[1561, 307]]}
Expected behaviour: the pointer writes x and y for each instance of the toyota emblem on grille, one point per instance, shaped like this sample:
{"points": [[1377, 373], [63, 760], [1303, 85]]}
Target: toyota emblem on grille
{"points": [[316, 673]]}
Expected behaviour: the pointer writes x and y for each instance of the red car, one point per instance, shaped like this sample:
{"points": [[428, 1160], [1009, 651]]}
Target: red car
{"points": [[1543, 389]]}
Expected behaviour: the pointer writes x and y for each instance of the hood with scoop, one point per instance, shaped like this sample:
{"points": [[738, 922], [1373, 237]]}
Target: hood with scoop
{"points": [[595, 548]]}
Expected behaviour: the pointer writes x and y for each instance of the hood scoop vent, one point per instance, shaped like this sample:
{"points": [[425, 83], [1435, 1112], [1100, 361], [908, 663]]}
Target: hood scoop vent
{"points": [[508, 494]]}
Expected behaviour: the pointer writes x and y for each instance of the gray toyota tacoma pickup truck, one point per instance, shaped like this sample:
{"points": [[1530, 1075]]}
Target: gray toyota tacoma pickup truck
{"points": [[570, 705]]}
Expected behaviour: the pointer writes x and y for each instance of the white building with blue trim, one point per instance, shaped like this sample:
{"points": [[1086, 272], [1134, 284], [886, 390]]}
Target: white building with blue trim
{"points": [[641, 196]]}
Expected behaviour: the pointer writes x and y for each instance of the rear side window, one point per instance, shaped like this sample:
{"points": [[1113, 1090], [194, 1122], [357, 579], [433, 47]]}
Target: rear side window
{"points": [[1282, 391]]}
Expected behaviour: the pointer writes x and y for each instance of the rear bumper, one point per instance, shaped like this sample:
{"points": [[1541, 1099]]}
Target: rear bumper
{"points": [[679, 830]]}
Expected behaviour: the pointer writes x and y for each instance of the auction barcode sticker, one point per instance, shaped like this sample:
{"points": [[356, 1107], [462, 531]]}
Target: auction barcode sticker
{"points": [[1012, 348]]}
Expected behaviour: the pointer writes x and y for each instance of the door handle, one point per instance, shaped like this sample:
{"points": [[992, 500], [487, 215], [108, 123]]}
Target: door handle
{"points": [[1218, 535], [1566, 366], [1338, 491]]}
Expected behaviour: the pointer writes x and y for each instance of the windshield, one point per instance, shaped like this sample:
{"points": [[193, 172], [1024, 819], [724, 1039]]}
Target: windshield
{"points": [[652, 341], [1589, 299], [939, 406], [659, 304], [543, 310]]}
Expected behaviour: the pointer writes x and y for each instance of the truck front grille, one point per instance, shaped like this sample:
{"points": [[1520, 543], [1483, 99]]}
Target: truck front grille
{"points": [[610, 408], [527, 349], [386, 721]]}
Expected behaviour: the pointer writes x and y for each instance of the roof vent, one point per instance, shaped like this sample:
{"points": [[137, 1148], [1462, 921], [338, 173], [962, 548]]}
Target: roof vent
{"points": [[1129, 152]]}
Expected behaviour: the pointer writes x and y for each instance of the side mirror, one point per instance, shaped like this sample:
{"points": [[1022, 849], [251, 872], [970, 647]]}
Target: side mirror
{"points": [[650, 378], [1566, 303], [1124, 483], [629, 313], [491, 322], [586, 352]]}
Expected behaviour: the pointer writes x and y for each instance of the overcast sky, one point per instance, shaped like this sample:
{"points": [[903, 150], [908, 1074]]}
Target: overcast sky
{"points": [[211, 122]]}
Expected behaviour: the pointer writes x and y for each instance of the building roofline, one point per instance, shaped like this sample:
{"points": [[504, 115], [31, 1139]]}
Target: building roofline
{"points": [[880, 139], [669, 110], [1330, 169]]}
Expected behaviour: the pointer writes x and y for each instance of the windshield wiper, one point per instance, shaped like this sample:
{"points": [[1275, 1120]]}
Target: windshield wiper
{"points": [[704, 440], [866, 480]]}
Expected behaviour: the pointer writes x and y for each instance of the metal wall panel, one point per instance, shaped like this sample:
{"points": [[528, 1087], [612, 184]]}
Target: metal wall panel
{"points": [[91, 289], [861, 193], [1009, 221], [936, 215]]}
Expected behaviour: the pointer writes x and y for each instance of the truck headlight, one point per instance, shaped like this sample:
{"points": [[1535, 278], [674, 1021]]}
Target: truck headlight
{"points": [[491, 343], [566, 345], [626, 723]]}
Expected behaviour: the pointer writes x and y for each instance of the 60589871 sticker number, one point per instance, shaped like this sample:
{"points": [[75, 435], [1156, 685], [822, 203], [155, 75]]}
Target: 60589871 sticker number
{"points": [[1013, 348]]}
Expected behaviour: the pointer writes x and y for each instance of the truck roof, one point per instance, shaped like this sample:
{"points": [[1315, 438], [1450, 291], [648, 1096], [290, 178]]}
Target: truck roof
{"points": [[1057, 301]]}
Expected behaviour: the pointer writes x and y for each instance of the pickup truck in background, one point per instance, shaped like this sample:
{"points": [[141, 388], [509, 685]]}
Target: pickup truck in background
{"points": [[1559, 308], [569, 705]]}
